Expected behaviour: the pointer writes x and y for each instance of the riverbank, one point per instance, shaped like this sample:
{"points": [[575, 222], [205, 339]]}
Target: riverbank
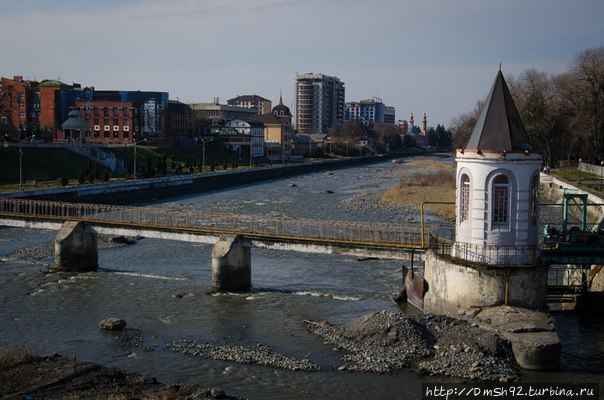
{"points": [[63, 378], [131, 191], [381, 342]]}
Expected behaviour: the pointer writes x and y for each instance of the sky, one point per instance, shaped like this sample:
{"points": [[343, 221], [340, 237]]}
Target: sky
{"points": [[437, 57]]}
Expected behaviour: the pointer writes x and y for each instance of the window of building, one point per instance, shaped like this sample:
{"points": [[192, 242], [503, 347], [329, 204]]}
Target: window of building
{"points": [[115, 111], [96, 111], [106, 111], [126, 111], [96, 121], [126, 122], [464, 198], [116, 121], [501, 200], [106, 121]]}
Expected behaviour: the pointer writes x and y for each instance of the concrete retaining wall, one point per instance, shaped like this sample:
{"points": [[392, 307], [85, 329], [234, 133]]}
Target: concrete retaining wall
{"points": [[453, 286], [147, 189], [551, 192]]}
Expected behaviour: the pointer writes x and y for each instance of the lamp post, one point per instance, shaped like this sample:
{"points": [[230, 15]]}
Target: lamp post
{"points": [[601, 173], [21, 158], [579, 168], [134, 167], [20, 167], [203, 153]]}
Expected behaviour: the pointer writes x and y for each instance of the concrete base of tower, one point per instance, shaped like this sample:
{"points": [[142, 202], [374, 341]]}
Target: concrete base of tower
{"points": [[511, 301], [455, 284]]}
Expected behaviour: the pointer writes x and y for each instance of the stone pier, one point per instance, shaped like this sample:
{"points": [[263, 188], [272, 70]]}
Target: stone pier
{"points": [[232, 264], [76, 248]]}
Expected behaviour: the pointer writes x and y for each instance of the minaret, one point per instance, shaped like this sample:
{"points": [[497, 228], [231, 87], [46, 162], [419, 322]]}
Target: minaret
{"points": [[497, 186], [424, 123]]}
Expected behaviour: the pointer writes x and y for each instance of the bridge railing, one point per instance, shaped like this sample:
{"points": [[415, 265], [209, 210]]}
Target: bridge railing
{"points": [[279, 228], [495, 255]]}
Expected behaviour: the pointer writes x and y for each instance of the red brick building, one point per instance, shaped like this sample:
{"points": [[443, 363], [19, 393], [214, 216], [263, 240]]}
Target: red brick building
{"points": [[19, 107], [110, 121]]}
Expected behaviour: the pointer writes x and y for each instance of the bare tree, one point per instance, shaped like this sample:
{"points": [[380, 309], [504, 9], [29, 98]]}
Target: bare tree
{"points": [[581, 93], [463, 125]]}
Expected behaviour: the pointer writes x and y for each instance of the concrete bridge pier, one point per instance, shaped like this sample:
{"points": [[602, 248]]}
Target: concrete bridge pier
{"points": [[232, 264], [76, 248]]}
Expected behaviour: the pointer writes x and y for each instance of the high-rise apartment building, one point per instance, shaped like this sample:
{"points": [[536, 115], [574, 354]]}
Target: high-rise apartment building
{"points": [[319, 102]]}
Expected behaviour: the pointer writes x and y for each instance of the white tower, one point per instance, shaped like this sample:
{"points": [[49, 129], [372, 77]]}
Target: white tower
{"points": [[497, 186]]}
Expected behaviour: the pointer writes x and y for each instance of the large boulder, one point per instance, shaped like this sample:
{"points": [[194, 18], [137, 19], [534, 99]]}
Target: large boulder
{"points": [[112, 324]]}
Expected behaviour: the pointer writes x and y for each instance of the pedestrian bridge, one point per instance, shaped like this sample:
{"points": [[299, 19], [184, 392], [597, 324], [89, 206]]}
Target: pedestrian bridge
{"points": [[312, 235]]}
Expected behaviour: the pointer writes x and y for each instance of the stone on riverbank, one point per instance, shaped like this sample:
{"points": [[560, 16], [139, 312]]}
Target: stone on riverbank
{"points": [[532, 334], [112, 324]]}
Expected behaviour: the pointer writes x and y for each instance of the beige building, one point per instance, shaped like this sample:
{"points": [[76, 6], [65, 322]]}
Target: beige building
{"points": [[261, 104], [277, 132]]}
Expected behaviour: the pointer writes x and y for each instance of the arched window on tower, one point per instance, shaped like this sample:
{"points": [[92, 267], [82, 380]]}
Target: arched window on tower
{"points": [[464, 198], [501, 201]]}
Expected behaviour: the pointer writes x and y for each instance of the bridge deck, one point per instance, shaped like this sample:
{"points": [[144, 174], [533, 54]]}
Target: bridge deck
{"points": [[381, 235]]}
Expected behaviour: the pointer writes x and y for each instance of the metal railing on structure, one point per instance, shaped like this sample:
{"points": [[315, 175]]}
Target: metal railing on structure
{"points": [[493, 255], [253, 226]]}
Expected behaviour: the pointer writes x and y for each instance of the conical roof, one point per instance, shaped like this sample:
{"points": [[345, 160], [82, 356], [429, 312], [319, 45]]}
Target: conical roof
{"points": [[75, 121], [280, 109], [499, 126]]}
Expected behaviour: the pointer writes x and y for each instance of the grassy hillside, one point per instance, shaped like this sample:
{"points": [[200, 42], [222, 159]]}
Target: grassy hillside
{"points": [[215, 154], [47, 164], [41, 164]]}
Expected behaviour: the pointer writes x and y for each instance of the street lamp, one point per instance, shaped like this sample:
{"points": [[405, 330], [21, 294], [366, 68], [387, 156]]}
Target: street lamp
{"points": [[203, 153], [134, 168], [579, 168], [20, 167], [601, 173], [21, 159]]}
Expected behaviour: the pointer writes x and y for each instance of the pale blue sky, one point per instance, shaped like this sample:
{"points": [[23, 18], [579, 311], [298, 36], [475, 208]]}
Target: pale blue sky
{"points": [[432, 56]]}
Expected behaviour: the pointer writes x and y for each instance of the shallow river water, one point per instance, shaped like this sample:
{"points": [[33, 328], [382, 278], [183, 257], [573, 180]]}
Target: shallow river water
{"points": [[163, 288]]}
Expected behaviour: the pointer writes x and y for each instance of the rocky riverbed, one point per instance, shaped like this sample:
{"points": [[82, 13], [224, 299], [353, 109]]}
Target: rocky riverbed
{"points": [[384, 342], [381, 342]]}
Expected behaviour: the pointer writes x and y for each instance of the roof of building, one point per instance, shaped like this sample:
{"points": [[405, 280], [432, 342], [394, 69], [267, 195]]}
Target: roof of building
{"points": [[281, 107], [52, 82], [499, 126], [247, 97], [75, 121]]}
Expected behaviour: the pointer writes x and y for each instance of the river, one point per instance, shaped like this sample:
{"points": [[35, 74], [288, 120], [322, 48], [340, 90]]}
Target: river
{"points": [[162, 288]]}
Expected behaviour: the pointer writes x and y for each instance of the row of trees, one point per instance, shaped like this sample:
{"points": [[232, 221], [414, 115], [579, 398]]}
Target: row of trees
{"points": [[385, 138], [563, 114]]}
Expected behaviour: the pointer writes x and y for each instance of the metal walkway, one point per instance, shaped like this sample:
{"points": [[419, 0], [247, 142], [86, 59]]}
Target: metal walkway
{"points": [[378, 235]]}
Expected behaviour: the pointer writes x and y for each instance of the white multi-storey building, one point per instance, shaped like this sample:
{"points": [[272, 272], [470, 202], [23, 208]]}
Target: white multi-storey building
{"points": [[319, 102], [369, 111]]}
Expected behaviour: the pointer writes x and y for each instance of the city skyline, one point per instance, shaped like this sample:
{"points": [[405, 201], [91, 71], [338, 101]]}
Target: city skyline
{"points": [[435, 57]]}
